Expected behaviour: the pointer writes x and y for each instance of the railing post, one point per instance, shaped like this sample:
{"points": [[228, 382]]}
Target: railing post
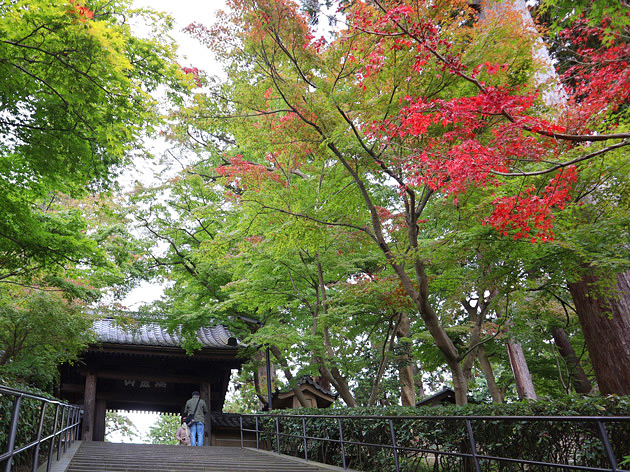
{"points": [[393, 433], [241, 421], [52, 440], [473, 446], [277, 435], [63, 419], [257, 435], [42, 417], [15, 415], [71, 425], [305, 440], [608, 447], [79, 422], [66, 432], [75, 422], [343, 447]]}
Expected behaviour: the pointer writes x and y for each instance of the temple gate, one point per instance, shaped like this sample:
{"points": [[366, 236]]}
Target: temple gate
{"points": [[145, 369]]}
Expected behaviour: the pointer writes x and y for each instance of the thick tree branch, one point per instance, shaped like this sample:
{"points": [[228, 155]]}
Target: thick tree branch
{"points": [[564, 164]]}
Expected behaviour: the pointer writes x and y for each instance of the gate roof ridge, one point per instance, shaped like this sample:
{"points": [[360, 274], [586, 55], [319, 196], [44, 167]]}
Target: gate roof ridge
{"points": [[152, 334]]}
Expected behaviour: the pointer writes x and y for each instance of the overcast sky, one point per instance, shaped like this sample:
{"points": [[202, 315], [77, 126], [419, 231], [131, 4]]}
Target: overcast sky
{"points": [[186, 12], [192, 54]]}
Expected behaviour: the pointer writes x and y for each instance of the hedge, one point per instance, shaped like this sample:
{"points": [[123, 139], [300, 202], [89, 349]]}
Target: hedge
{"points": [[572, 443]]}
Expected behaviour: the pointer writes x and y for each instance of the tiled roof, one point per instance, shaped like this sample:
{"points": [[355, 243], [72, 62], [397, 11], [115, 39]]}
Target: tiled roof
{"points": [[108, 331], [307, 379], [444, 395], [231, 420]]}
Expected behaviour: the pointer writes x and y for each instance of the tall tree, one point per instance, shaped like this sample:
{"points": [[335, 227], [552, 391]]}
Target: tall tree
{"points": [[74, 101], [405, 130], [591, 44], [335, 101]]}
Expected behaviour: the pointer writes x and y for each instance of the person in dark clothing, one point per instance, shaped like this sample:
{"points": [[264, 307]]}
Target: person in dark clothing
{"points": [[198, 408]]}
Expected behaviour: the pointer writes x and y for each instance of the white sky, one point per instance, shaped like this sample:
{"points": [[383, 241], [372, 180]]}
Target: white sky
{"points": [[192, 54], [184, 12]]}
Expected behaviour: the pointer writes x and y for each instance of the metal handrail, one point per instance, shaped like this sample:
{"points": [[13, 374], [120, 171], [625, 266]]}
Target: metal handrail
{"points": [[67, 431], [473, 455]]}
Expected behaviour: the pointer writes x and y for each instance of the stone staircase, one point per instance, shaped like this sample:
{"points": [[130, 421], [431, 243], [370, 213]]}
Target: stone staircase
{"points": [[113, 457]]}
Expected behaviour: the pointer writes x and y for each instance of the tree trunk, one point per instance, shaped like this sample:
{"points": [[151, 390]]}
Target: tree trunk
{"points": [[407, 387], [377, 381], [260, 378], [486, 367], [322, 382], [579, 380], [418, 381], [289, 376], [385, 351], [405, 364], [522, 377], [332, 374], [342, 387], [262, 398], [605, 322]]}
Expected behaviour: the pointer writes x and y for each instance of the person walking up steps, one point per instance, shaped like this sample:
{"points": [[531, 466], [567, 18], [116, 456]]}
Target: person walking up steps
{"points": [[195, 411]]}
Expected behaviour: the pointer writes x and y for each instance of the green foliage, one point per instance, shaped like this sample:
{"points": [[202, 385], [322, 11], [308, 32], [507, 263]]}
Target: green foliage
{"points": [[570, 442], [120, 425], [611, 15], [163, 431], [243, 399], [289, 185], [74, 102], [38, 331]]}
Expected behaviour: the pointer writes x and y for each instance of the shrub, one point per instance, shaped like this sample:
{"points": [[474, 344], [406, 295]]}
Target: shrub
{"points": [[564, 442]]}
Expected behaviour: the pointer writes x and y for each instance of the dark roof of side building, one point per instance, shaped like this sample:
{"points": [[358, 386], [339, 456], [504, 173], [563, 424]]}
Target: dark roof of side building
{"points": [[151, 334], [446, 395], [231, 420], [307, 379]]}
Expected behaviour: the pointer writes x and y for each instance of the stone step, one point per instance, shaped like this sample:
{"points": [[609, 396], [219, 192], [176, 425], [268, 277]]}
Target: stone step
{"points": [[113, 457]]}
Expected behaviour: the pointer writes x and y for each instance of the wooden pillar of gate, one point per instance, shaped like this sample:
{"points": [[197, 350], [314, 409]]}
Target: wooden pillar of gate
{"points": [[205, 394], [99, 420], [89, 406]]}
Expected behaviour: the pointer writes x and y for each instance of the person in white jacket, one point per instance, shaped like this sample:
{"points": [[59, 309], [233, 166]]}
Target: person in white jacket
{"points": [[183, 434]]}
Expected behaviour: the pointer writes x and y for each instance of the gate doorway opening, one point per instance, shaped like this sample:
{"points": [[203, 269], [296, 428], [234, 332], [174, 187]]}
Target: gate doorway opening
{"points": [[141, 427]]}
